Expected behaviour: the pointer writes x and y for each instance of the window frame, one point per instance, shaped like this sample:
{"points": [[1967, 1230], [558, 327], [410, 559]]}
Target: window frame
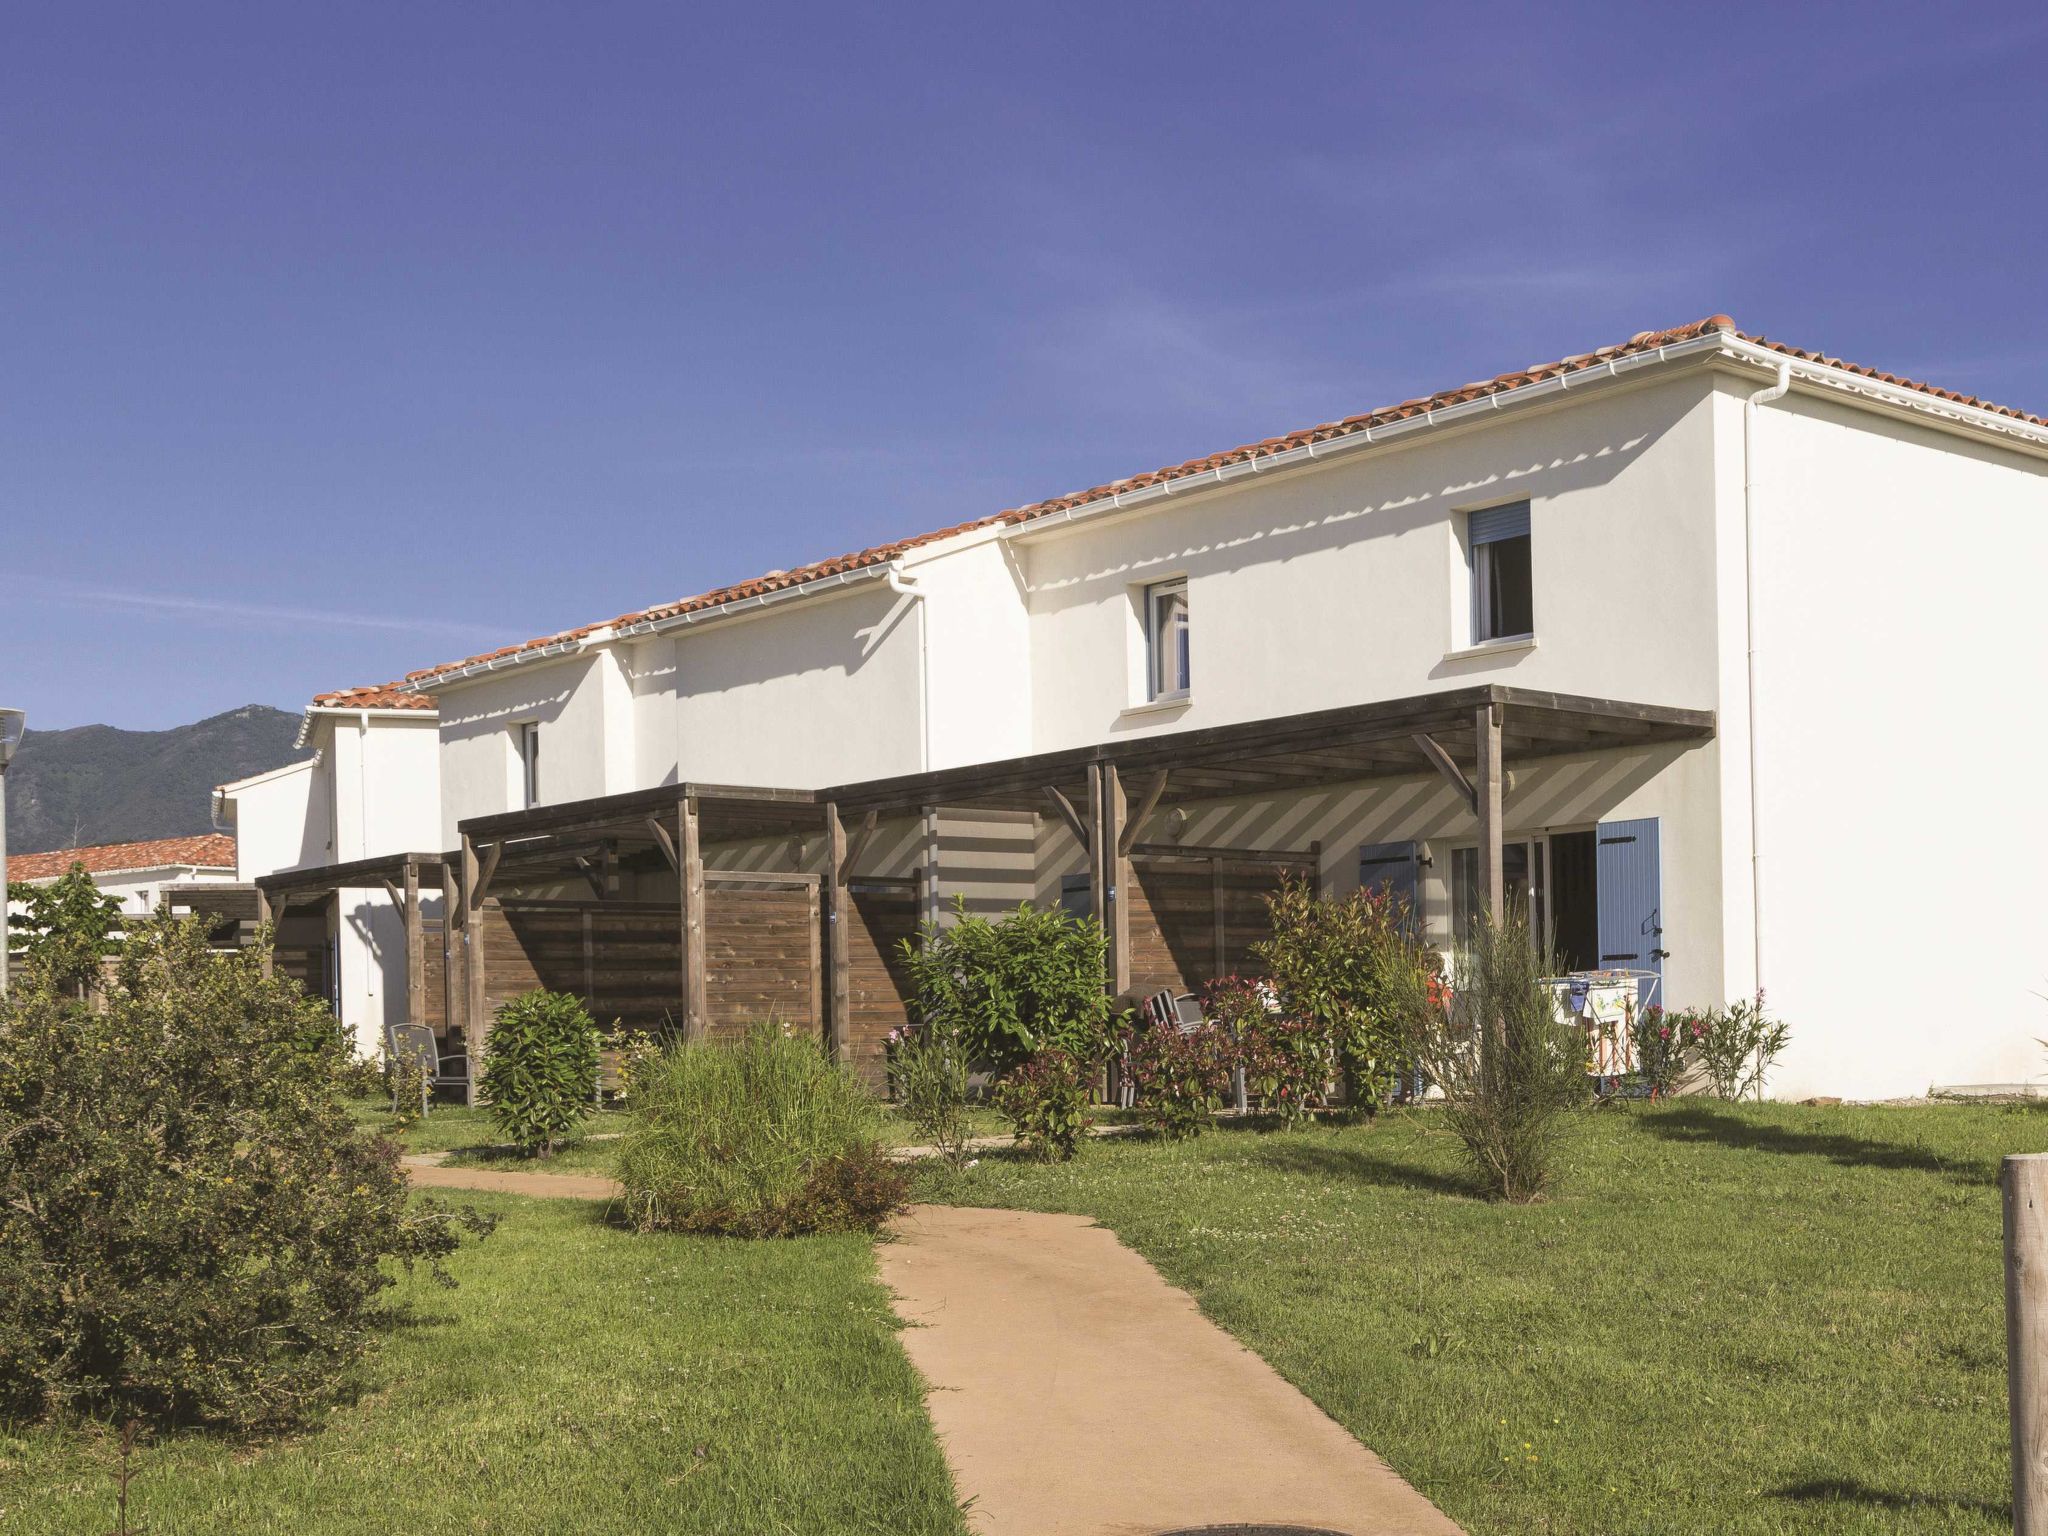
{"points": [[1480, 561], [1157, 594], [526, 749]]}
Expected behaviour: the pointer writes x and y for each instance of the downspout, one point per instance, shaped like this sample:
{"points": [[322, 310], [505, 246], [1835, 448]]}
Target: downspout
{"points": [[1756, 402], [904, 586]]}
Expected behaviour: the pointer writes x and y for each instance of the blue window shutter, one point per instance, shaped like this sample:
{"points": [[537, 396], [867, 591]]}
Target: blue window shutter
{"points": [[1630, 896], [1491, 524], [1395, 868]]}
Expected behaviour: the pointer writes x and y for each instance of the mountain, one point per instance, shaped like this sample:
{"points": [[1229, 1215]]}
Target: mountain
{"points": [[97, 784]]}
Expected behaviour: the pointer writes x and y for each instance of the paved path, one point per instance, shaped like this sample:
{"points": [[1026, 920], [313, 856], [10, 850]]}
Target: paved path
{"points": [[1078, 1394], [427, 1171]]}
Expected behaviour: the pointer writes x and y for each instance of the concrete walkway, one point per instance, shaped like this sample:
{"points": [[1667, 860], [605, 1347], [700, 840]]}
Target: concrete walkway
{"points": [[1078, 1394]]}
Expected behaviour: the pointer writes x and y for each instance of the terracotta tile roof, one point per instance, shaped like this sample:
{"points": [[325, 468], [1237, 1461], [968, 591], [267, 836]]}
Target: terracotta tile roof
{"points": [[775, 581], [374, 696], [213, 850]]}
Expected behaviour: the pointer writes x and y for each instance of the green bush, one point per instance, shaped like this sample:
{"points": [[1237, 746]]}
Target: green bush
{"points": [[1007, 990], [759, 1137], [1733, 1047], [1331, 961], [64, 930], [928, 1070], [1181, 1075], [1508, 1068], [192, 1230], [1046, 1101], [540, 1069]]}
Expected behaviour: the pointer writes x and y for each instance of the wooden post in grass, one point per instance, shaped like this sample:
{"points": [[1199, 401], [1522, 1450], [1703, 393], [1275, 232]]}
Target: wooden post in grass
{"points": [[2025, 1183]]}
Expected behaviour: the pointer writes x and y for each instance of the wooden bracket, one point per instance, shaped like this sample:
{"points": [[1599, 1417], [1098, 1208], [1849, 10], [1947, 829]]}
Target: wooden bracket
{"points": [[1147, 803], [1069, 815], [593, 874], [858, 844], [1446, 765], [484, 874], [397, 896], [666, 843]]}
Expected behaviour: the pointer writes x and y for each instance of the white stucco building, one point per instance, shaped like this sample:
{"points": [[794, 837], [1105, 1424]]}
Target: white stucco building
{"points": [[370, 787], [1812, 583]]}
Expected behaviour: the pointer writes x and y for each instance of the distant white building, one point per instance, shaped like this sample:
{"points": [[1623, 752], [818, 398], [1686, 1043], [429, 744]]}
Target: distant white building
{"points": [[370, 788], [135, 872]]}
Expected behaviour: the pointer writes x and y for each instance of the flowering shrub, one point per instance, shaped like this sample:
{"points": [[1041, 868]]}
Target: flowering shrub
{"points": [[1181, 1076], [1045, 1099], [1734, 1046], [1330, 960], [1663, 1050], [1289, 1063]]}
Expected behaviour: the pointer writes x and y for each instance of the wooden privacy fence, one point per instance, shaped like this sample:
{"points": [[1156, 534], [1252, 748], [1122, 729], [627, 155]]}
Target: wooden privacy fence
{"points": [[1196, 912], [762, 946], [881, 915]]}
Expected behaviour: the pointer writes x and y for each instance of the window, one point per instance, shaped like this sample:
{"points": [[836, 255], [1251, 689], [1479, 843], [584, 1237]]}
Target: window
{"points": [[1166, 639], [1503, 607], [529, 763]]}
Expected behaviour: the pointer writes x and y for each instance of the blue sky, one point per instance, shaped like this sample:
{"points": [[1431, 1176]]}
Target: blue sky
{"points": [[337, 341]]}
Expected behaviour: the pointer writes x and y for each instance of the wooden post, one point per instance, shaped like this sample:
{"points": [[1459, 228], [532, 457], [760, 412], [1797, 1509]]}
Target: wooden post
{"points": [[451, 960], [1486, 726], [839, 915], [2025, 1183], [1107, 867], [415, 948], [474, 1026], [690, 881], [263, 916], [931, 864]]}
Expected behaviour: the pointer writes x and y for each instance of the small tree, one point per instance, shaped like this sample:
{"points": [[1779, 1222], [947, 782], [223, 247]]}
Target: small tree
{"points": [[1011, 989], [540, 1069], [66, 929], [1508, 1068], [928, 1068], [193, 1229]]}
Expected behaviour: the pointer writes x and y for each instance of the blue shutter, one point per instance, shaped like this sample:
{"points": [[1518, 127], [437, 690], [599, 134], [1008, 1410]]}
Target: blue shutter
{"points": [[1629, 886], [1395, 868], [1492, 524]]}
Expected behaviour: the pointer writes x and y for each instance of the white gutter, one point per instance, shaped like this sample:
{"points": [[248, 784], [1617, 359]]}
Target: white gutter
{"points": [[903, 586], [1750, 407]]}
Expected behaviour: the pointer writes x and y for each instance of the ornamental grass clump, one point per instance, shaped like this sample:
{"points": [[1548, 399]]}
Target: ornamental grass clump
{"points": [[192, 1229], [540, 1069], [755, 1137]]}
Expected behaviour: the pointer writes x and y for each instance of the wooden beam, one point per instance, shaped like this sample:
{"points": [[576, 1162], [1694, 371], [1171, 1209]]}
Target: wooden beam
{"points": [[839, 934], [397, 895], [1446, 765], [1109, 868], [666, 843], [1068, 814], [415, 947], [475, 1027], [451, 959], [488, 869], [1147, 803], [1487, 802], [690, 884]]}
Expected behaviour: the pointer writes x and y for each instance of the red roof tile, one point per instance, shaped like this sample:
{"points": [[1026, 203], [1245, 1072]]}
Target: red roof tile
{"points": [[1643, 341], [212, 850], [374, 696]]}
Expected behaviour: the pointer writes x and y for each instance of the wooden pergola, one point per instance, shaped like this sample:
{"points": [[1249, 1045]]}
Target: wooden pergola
{"points": [[1465, 735], [403, 875]]}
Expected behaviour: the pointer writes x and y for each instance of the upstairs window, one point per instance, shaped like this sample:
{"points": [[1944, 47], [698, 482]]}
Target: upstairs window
{"points": [[1166, 639], [529, 764], [1503, 605]]}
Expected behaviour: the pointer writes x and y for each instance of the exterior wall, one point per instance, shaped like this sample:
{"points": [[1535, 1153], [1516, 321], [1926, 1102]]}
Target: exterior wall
{"points": [[979, 637], [1902, 660], [385, 779], [584, 706], [283, 820], [1349, 583]]}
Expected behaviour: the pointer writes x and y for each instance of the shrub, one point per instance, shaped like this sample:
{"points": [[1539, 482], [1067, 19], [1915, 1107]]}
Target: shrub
{"points": [[759, 1137], [1181, 1076], [1734, 1046], [1045, 1100], [1289, 1064], [65, 931], [1008, 990], [1663, 1051], [1508, 1068], [193, 1229], [1329, 959], [540, 1069], [928, 1070]]}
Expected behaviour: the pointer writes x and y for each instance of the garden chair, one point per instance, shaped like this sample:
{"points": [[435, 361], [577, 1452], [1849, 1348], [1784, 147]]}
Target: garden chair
{"points": [[414, 1046]]}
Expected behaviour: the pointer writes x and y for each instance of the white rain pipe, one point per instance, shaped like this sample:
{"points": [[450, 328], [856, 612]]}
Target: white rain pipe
{"points": [[904, 586], [1755, 403]]}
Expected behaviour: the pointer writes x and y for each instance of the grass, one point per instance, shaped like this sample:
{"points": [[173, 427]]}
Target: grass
{"points": [[472, 1139], [1754, 1319], [579, 1379]]}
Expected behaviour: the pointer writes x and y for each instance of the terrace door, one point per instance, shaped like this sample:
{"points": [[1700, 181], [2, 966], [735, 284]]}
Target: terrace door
{"points": [[1629, 880]]}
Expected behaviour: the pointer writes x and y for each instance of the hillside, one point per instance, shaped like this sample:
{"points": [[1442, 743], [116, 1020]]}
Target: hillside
{"points": [[97, 784]]}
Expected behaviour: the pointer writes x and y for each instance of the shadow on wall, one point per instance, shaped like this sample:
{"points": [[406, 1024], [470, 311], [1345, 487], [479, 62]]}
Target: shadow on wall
{"points": [[1695, 1123]]}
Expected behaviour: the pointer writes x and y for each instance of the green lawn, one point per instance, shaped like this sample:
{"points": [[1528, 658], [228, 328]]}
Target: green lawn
{"points": [[1757, 1319], [581, 1379]]}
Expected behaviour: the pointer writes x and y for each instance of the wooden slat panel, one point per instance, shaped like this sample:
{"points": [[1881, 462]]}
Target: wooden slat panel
{"points": [[878, 983]]}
